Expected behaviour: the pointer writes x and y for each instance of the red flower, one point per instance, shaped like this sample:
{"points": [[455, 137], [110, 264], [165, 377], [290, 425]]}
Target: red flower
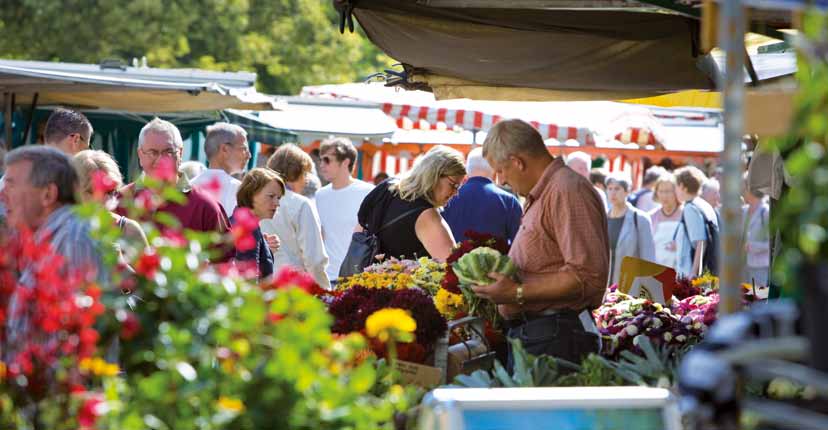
{"points": [[244, 224], [130, 325], [89, 412], [102, 184], [450, 282], [147, 264], [289, 276]]}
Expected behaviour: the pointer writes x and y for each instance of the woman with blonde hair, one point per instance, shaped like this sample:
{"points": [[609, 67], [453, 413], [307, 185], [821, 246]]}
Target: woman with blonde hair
{"points": [[91, 163], [404, 213], [666, 219]]}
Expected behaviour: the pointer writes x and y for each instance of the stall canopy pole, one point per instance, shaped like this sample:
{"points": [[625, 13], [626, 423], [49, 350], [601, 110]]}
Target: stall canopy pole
{"points": [[7, 119], [732, 29], [31, 118]]}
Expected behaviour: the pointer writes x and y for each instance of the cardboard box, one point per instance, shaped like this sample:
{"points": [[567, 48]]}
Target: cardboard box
{"points": [[419, 374]]}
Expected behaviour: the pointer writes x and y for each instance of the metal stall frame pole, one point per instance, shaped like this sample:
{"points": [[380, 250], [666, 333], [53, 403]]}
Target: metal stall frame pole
{"points": [[732, 30], [7, 120]]}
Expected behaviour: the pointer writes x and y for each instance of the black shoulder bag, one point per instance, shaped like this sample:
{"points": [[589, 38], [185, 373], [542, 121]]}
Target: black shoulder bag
{"points": [[364, 247]]}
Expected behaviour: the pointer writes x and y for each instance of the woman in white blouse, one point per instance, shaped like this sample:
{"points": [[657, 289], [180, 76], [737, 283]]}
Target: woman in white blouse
{"points": [[297, 222]]}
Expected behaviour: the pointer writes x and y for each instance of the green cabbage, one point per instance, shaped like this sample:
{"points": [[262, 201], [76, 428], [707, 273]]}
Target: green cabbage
{"points": [[473, 268]]}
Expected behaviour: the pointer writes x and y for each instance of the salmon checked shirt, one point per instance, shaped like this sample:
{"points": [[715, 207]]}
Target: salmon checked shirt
{"points": [[564, 229]]}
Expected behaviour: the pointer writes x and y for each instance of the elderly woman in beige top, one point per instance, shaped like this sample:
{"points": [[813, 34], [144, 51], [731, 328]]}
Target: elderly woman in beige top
{"points": [[297, 222]]}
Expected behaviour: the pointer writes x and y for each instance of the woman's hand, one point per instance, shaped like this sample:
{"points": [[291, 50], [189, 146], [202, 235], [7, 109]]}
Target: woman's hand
{"points": [[272, 241]]}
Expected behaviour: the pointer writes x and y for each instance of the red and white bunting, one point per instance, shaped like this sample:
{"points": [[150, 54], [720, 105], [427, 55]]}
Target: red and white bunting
{"points": [[425, 117]]}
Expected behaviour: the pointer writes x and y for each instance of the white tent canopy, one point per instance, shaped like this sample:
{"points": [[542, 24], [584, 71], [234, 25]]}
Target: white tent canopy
{"points": [[316, 120]]}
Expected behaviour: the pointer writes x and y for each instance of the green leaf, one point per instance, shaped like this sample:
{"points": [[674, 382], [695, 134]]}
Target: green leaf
{"points": [[362, 378], [503, 376]]}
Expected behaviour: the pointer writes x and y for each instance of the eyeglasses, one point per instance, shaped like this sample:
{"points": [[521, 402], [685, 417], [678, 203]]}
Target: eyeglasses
{"points": [[454, 185], [154, 154]]}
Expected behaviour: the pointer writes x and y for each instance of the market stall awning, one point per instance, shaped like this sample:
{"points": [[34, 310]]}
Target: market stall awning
{"points": [[258, 130], [314, 120], [545, 50], [593, 54], [419, 110], [130, 89]]}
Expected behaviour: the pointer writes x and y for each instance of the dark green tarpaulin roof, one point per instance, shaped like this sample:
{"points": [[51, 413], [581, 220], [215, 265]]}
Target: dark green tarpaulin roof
{"points": [[594, 53]]}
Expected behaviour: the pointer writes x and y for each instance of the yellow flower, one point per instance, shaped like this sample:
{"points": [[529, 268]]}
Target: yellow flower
{"points": [[706, 279], [228, 365], [98, 367], [85, 364], [110, 370], [391, 323], [448, 303], [230, 404]]}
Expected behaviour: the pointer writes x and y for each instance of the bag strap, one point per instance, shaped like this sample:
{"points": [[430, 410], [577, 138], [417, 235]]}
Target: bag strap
{"points": [[635, 221], [397, 219]]}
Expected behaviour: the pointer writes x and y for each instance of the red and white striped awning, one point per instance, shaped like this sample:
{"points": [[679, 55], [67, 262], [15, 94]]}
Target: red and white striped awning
{"points": [[641, 136], [435, 118]]}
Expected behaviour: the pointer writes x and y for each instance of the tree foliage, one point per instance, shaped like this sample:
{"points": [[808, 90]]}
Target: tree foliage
{"points": [[288, 43]]}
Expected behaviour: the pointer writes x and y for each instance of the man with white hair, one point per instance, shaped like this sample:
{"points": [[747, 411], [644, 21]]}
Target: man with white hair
{"points": [[160, 149], [710, 193], [581, 163], [480, 205], [227, 153]]}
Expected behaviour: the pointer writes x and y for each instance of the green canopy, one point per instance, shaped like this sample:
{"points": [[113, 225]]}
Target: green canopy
{"points": [[117, 132]]}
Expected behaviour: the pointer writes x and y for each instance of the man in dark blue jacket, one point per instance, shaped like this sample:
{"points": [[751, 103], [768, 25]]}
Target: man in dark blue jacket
{"points": [[482, 206]]}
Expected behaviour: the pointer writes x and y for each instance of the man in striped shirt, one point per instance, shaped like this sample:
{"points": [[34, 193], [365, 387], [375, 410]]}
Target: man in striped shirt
{"points": [[39, 194]]}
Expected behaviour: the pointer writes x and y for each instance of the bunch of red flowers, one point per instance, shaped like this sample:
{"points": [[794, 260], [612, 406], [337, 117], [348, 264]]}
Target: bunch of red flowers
{"points": [[475, 240], [354, 305], [49, 315]]}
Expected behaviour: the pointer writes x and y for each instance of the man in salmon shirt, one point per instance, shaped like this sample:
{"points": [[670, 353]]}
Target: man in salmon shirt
{"points": [[561, 249]]}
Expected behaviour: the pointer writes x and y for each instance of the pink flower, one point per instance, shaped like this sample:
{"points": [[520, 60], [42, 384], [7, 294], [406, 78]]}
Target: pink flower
{"points": [[102, 184], [244, 224], [164, 170], [213, 187]]}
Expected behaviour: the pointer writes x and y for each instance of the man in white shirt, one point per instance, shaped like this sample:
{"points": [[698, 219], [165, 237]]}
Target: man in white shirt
{"points": [[227, 153], [339, 201]]}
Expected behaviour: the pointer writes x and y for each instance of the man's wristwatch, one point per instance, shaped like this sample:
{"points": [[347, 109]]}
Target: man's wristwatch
{"points": [[519, 295]]}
